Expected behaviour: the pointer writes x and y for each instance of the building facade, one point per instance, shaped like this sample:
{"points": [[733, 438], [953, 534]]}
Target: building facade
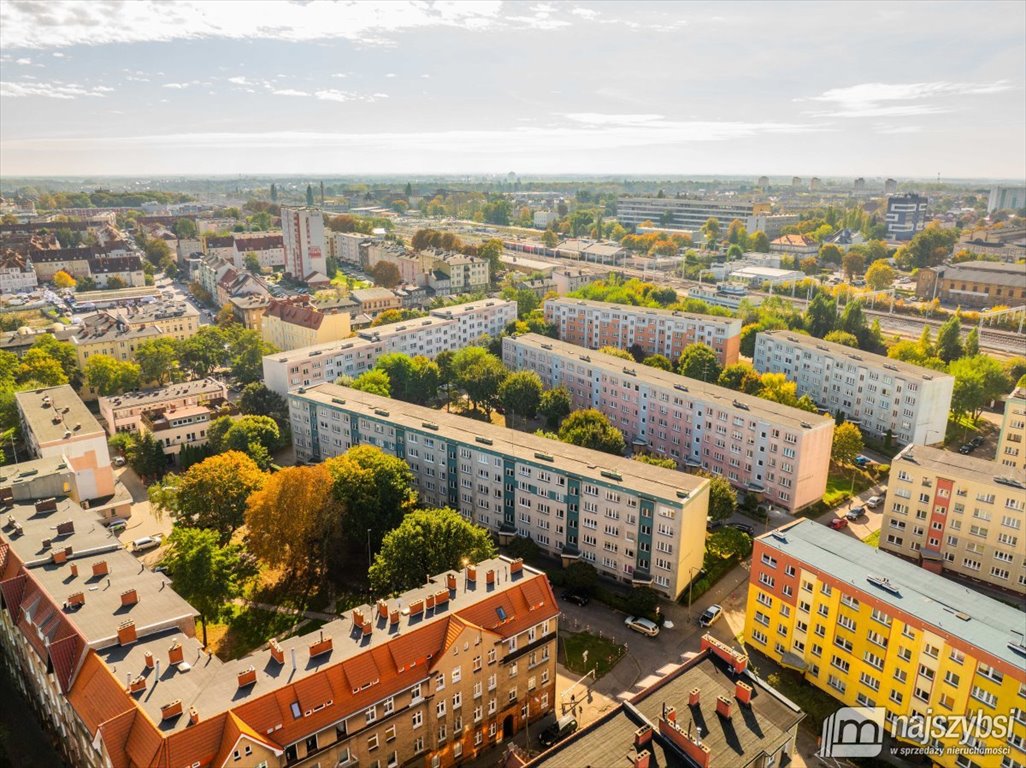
{"points": [[295, 323], [973, 283], [776, 452], [117, 332], [689, 213], [635, 523], [449, 328], [123, 413], [16, 272], [1011, 448], [877, 393], [874, 631], [906, 216], [596, 324], [303, 241], [959, 514], [1002, 198]]}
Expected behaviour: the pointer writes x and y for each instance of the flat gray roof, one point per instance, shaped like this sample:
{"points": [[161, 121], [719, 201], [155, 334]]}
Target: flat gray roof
{"points": [[694, 389], [172, 392], [936, 601], [566, 301], [51, 411], [953, 464], [856, 356], [645, 478]]}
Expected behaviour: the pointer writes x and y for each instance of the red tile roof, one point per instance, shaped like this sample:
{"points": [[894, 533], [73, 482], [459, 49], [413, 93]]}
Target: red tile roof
{"points": [[295, 314], [96, 696]]}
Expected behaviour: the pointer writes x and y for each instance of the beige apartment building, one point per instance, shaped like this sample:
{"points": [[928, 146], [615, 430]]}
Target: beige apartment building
{"points": [[116, 332], [597, 324], [1011, 448], [778, 453], [294, 323], [636, 523], [959, 514], [123, 413]]}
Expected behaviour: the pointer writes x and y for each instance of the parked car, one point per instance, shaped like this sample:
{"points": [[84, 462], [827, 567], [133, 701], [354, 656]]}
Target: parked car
{"points": [[644, 626], [967, 449], [116, 525], [743, 527], [873, 502], [862, 461], [711, 615], [119, 461], [977, 441], [838, 523], [855, 513], [558, 731], [147, 542], [713, 525], [575, 597]]}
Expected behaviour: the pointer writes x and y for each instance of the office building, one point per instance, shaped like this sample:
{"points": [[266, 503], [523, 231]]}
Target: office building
{"points": [[303, 240], [859, 185], [877, 393], [906, 216], [973, 284], [1011, 447], [636, 523], [294, 323], [56, 424], [596, 324], [449, 328], [1006, 198], [122, 413], [874, 631], [689, 213], [959, 514], [779, 453], [107, 654], [890, 186], [711, 711]]}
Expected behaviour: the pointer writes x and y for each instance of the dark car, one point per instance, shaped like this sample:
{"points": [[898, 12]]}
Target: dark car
{"points": [[576, 598], [743, 527], [967, 449], [558, 731], [713, 525], [977, 441], [855, 513]]}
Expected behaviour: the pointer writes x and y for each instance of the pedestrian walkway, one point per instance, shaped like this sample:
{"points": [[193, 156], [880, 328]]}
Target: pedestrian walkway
{"points": [[313, 615]]}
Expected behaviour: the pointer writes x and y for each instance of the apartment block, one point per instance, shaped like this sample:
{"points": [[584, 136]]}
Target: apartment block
{"points": [[56, 424], [776, 452], [747, 723], [345, 247], [958, 514], [117, 332], [1011, 448], [303, 241], [123, 413], [636, 523], [877, 393], [906, 216], [596, 324], [106, 652], [690, 213], [874, 631], [294, 323], [269, 248], [449, 328]]}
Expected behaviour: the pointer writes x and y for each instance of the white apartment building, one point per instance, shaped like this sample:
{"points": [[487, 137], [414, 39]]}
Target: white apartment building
{"points": [[634, 522], [875, 392], [345, 247], [123, 413], [450, 328], [776, 452], [597, 324], [303, 238], [690, 213]]}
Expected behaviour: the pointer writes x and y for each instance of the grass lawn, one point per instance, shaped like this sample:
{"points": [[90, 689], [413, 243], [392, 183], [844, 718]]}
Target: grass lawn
{"points": [[813, 702], [602, 654], [873, 539], [839, 487]]}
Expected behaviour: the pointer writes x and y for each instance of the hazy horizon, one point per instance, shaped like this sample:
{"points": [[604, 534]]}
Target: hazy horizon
{"points": [[216, 89]]}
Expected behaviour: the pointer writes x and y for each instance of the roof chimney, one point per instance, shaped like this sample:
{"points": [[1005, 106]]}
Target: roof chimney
{"points": [[193, 716], [126, 633], [694, 697], [416, 607], [642, 759], [74, 569], [76, 598], [59, 556], [472, 573], [516, 566], [247, 677], [138, 684], [393, 617], [382, 609], [490, 577], [324, 644], [669, 714], [743, 692], [643, 737], [129, 597], [277, 653], [430, 601], [101, 568], [724, 706], [451, 581], [148, 660], [175, 654], [442, 597], [173, 709]]}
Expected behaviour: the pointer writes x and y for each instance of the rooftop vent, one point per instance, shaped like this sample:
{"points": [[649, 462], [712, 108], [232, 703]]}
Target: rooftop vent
{"points": [[884, 584], [171, 709]]}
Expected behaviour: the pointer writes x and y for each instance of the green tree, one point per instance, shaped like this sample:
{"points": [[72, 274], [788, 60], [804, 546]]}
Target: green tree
{"points": [[257, 400], [375, 381], [427, 542], [39, 369], [655, 461], [309, 195], [157, 359], [949, 340], [842, 337], [590, 428], [662, 362], [207, 572], [623, 354], [581, 577], [63, 352], [204, 351], [880, 275], [728, 544], [776, 387], [145, 456], [853, 263], [971, 347], [520, 394], [1015, 367], [847, 443], [480, 374], [740, 377], [830, 254], [109, 376], [821, 315], [555, 406], [722, 496], [185, 229], [252, 262], [385, 274], [711, 231], [246, 352], [978, 381], [256, 436], [550, 239], [760, 242], [699, 361], [491, 251], [211, 494]]}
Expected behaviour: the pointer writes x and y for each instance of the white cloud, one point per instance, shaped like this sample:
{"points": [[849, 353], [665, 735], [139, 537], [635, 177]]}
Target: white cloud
{"points": [[877, 99], [239, 80], [599, 118], [337, 75], [57, 55], [897, 129], [289, 92], [391, 74], [23, 62], [95, 22], [175, 86], [585, 13], [54, 90]]}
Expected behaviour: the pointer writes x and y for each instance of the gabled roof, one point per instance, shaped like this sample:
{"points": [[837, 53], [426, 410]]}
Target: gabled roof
{"points": [[96, 696]]}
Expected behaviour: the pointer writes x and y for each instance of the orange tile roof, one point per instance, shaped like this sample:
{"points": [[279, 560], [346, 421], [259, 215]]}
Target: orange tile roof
{"points": [[201, 742], [145, 746], [313, 692], [115, 735], [96, 695], [361, 671], [65, 655]]}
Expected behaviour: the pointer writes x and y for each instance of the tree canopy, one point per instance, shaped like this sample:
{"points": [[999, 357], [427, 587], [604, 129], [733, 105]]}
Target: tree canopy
{"points": [[699, 361], [590, 428], [847, 443]]}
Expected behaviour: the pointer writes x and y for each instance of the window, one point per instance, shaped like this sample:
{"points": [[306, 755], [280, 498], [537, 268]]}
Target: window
{"points": [[390, 733], [372, 714], [372, 742], [418, 719]]}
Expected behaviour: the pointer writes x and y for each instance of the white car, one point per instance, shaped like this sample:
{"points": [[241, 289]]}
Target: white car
{"points": [[873, 502], [644, 626], [711, 615]]}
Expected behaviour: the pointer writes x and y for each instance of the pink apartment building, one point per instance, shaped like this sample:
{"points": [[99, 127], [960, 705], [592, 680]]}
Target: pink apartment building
{"points": [[780, 453], [597, 324]]}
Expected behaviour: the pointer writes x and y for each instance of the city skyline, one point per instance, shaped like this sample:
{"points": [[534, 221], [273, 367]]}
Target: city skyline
{"points": [[476, 88]]}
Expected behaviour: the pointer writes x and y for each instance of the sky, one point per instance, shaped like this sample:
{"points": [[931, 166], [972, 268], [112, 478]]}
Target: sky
{"points": [[209, 87]]}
